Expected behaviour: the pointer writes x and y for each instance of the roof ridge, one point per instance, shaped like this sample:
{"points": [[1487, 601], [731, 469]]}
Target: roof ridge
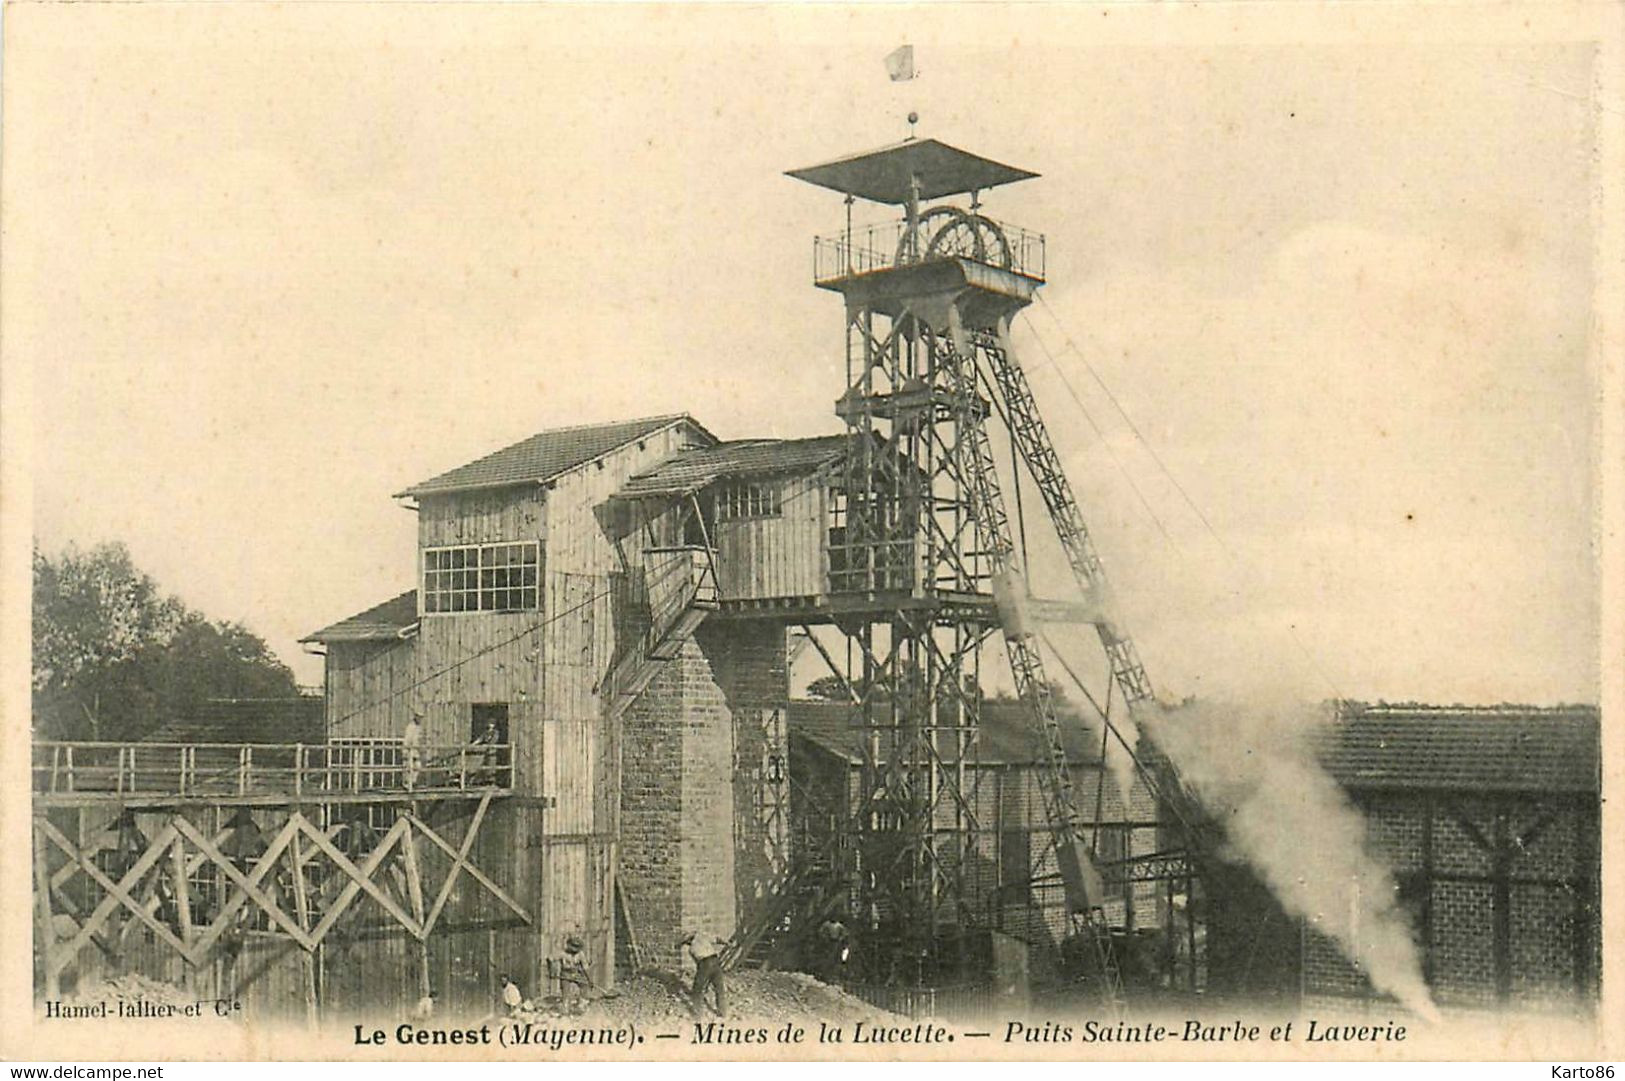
{"points": [[636, 428], [663, 417], [781, 439], [1511, 709]]}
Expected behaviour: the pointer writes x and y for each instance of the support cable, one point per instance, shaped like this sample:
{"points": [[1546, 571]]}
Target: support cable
{"points": [[432, 676], [1229, 552], [1099, 434], [1090, 368]]}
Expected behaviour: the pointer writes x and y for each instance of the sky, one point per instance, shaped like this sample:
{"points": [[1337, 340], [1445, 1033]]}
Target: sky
{"points": [[1316, 344]]}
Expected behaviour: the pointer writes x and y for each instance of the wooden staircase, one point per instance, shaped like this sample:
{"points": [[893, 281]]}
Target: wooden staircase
{"points": [[680, 585], [802, 898]]}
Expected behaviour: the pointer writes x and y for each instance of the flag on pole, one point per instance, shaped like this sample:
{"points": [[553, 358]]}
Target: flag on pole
{"points": [[900, 63]]}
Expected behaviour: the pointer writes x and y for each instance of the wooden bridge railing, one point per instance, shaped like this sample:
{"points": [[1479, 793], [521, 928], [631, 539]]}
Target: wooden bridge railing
{"points": [[313, 770]]}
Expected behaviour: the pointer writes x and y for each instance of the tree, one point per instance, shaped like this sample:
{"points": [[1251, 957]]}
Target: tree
{"points": [[828, 688], [114, 657], [205, 660], [94, 612]]}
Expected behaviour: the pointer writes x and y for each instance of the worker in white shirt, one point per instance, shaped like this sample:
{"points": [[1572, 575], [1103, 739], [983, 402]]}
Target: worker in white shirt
{"points": [[511, 997], [412, 751], [706, 949], [424, 1011]]}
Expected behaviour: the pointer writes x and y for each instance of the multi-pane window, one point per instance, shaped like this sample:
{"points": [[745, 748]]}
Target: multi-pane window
{"points": [[482, 578], [747, 500]]}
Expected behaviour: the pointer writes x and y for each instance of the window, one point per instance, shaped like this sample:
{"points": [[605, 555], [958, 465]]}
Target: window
{"points": [[743, 500], [482, 578]]}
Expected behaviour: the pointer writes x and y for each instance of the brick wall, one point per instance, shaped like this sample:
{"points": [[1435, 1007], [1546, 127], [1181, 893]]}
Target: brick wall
{"points": [[650, 867], [751, 670], [1461, 891], [699, 828]]}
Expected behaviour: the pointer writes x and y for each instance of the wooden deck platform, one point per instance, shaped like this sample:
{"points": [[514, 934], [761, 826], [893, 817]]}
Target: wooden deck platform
{"points": [[80, 773]]}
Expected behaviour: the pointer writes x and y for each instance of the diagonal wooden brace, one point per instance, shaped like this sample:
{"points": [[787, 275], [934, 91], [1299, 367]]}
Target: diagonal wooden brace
{"points": [[460, 860], [248, 886], [360, 878], [117, 892], [460, 863]]}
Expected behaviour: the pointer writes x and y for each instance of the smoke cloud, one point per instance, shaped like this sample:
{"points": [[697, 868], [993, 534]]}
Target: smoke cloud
{"points": [[1254, 771]]}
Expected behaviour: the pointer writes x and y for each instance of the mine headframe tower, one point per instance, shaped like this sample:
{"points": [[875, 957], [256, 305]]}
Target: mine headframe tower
{"points": [[923, 542]]}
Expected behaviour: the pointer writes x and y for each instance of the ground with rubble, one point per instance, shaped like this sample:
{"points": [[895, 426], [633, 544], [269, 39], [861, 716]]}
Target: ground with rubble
{"points": [[131, 990], [656, 998]]}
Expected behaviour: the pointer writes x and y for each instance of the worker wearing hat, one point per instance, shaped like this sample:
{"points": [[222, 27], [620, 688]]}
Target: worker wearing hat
{"points": [[575, 982]]}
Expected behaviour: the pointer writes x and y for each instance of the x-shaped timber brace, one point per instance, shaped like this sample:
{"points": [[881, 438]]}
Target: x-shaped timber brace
{"points": [[180, 849]]}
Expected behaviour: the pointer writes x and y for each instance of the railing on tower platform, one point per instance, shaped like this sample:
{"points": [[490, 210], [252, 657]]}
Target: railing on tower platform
{"points": [[883, 246], [339, 770]]}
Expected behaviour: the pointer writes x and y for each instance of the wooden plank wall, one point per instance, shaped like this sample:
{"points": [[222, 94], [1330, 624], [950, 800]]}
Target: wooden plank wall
{"points": [[369, 687], [781, 556], [484, 657], [553, 842], [501, 514], [466, 658], [589, 541]]}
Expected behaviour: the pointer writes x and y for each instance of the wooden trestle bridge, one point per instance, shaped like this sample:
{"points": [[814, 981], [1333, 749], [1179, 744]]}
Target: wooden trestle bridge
{"points": [[167, 859]]}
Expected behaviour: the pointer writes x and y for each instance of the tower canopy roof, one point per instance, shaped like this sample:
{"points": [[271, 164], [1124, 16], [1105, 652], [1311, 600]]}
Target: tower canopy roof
{"points": [[882, 176]]}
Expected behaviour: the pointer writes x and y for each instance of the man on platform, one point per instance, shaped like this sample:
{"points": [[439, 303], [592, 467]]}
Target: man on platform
{"points": [[412, 751]]}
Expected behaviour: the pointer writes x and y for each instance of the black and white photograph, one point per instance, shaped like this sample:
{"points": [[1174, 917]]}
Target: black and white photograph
{"points": [[629, 532]]}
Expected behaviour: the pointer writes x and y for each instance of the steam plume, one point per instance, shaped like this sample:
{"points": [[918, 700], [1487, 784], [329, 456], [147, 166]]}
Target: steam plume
{"points": [[1254, 771]]}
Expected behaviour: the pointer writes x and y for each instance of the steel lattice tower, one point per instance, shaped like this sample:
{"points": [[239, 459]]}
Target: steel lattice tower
{"points": [[922, 544]]}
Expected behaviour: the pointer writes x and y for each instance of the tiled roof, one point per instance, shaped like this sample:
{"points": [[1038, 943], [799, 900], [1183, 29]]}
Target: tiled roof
{"points": [[1489, 749], [1004, 736], [385, 620], [1494, 749], [546, 454], [692, 470], [247, 720]]}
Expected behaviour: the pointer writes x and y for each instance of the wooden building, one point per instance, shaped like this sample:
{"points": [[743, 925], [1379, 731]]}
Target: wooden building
{"points": [[766, 506], [574, 592], [594, 650], [512, 629]]}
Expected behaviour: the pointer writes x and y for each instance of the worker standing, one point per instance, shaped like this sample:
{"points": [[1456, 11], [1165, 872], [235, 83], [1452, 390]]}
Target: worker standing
{"points": [[575, 982], [486, 741], [834, 949], [412, 751], [511, 997], [706, 949]]}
